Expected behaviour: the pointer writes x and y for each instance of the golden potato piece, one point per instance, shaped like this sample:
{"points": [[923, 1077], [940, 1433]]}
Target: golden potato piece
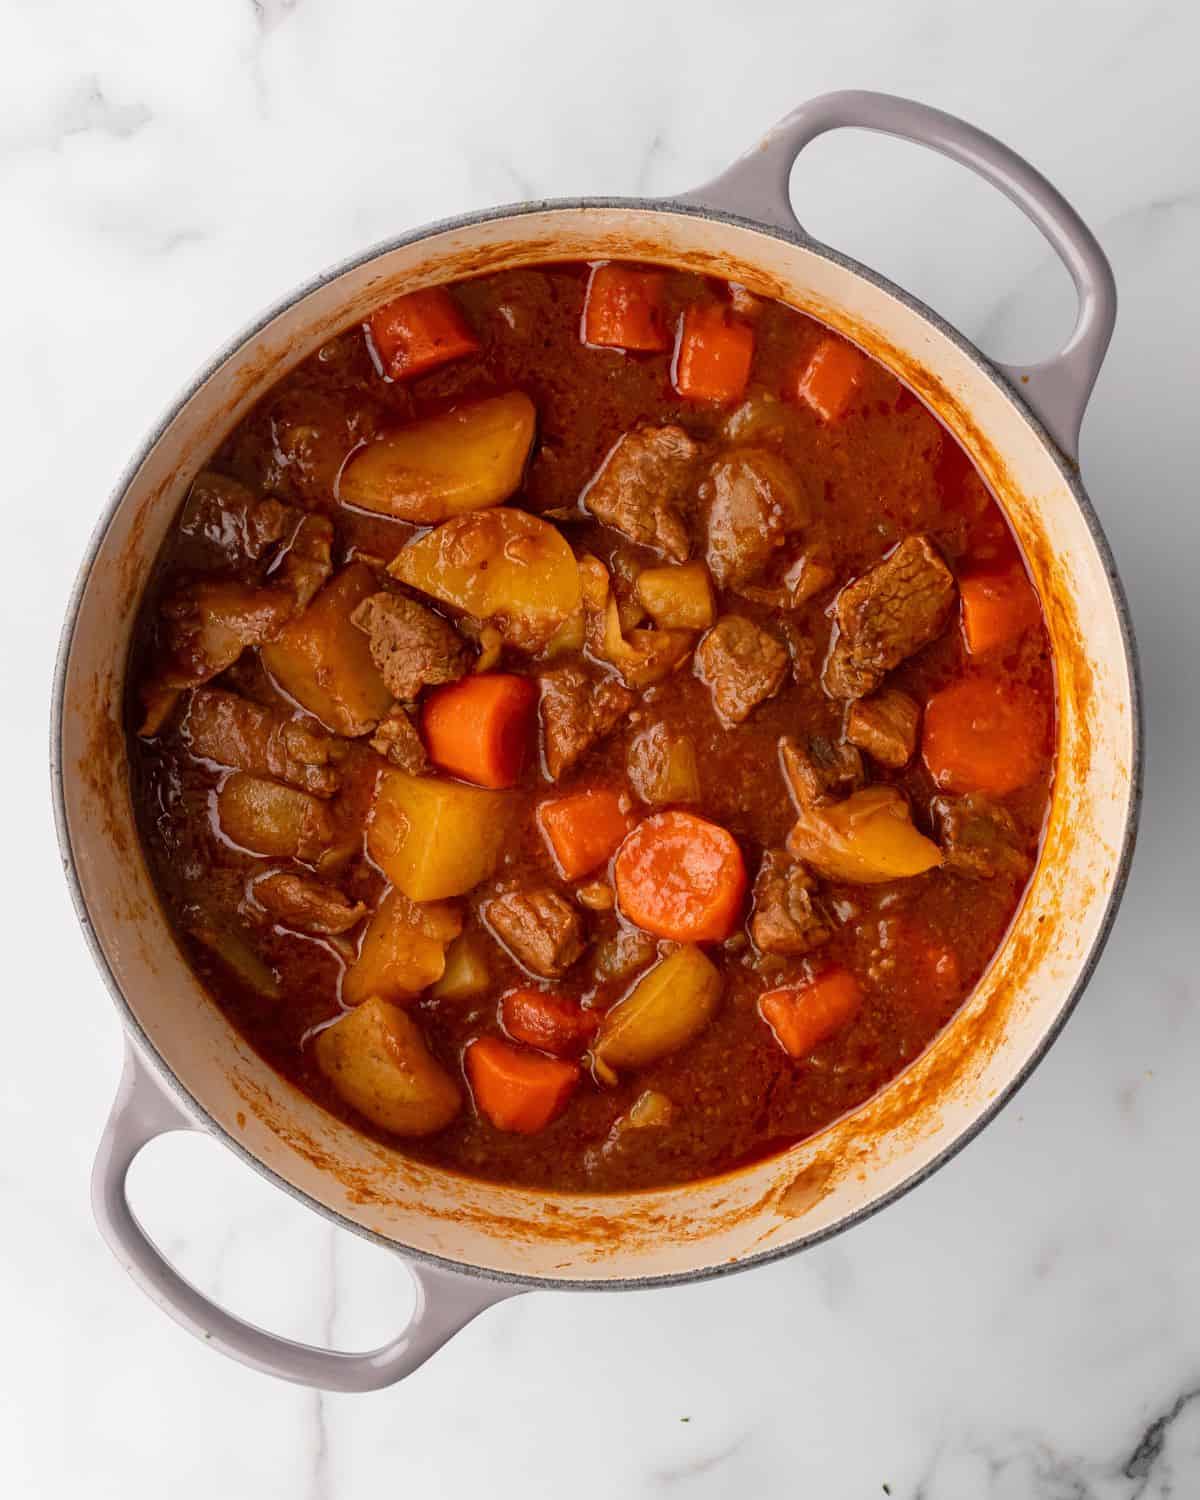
{"points": [[324, 661], [664, 1010], [867, 839], [466, 974], [403, 950], [502, 566], [377, 1060], [678, 596], [438, 467], [435, 839]]}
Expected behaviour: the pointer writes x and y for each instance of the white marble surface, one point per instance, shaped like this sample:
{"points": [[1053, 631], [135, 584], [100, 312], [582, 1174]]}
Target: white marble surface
{"points": [[1025, 1324]]}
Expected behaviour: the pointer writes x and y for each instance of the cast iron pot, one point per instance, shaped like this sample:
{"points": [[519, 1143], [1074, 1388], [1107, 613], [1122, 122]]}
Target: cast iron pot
{"points": [[469, 1244]]}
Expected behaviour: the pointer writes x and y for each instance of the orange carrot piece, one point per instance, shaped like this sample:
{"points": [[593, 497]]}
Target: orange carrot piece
{"points": [[515, 1089], [831, 377], [624, 309], [550, 1022], [802, 1016], [713, 354], [998, 606], [681, 877], [583, 829], [419, 331], [982, 734], [480, 728]]}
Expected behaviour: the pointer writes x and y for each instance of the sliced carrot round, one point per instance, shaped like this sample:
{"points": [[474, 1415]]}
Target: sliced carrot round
{"points": [[481, 728], [681, 877], [419, 331], [804, 1015], [984, 735], [583, 828], [551, 1022], [998, 605], [516, 1089]]}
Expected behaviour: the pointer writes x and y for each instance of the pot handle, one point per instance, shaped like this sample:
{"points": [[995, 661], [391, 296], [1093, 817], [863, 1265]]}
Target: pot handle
{"points": [[757, 187], [446, 1302]]}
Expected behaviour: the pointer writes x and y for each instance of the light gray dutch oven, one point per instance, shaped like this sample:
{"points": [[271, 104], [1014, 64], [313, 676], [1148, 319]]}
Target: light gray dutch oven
{"points": [[470, 1244]]}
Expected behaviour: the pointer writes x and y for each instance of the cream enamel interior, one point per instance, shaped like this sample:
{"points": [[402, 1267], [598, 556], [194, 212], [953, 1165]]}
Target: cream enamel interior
{"points": [[812, 1188]]}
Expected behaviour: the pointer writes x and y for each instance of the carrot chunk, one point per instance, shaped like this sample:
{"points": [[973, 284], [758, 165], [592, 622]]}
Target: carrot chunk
{"points": [[802, 1016], [982, 734], [831, 377], [515, 1089], [623, 309], [550, 1022], [480, 728], [420, 331], [998, 606], [681, 877], [583, 829], [713, 354]]}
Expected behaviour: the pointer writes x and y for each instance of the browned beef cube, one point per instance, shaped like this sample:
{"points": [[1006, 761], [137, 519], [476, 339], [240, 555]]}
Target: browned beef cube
{"points": [[884, 616], [412, 647], [755, 503], [230, 731], [819, 770], [641, 484], [398, 740], [979, 837], [787, 918], [541, 929], [577, 709], [742, 666], [305, 903], [885, 726], [234, 520]]}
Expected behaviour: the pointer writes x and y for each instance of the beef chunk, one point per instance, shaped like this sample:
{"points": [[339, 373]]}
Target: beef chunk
{"points": [[576, 711], [979, 838], [307, 561], [898, 606], [742, 666], [787, 918], [306, 904], [628, 950], [412, 647], [798, 580], [885, 726], [819, 771], [755, 503], [639, 486], [398, 740], [232, 519], [541, 929], [230, 731], [206, 627]]}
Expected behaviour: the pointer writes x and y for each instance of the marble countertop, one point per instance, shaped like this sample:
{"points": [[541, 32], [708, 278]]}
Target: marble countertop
{"points": [[1027, 1323]]}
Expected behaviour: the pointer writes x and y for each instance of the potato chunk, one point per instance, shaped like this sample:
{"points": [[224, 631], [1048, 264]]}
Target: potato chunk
{"points": [[436, 839], [641, 657], [502, 566], [678, 595], [403, 950], [377, 1060], [868, 839], [324, 661], [466, 973], [438, 467], [266, 817], [664, 1011]]}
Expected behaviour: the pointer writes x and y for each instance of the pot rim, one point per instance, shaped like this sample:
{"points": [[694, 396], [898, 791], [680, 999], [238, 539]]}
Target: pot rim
{"points": [[165, 1076]]}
